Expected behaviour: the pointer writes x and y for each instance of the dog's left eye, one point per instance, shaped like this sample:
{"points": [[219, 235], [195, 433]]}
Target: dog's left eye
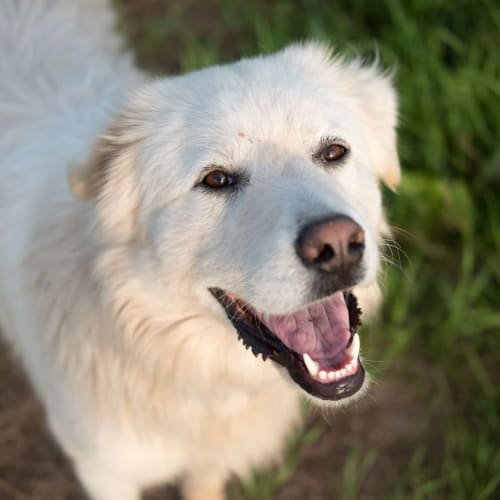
{"points": [[218, 179], [333, 152]]}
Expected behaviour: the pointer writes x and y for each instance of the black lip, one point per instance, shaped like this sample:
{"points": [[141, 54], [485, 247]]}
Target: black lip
{"points": [[261, 340]]}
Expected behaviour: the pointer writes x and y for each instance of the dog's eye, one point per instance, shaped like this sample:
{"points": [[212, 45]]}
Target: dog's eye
{"points": [[333, 152], [218, 179]]}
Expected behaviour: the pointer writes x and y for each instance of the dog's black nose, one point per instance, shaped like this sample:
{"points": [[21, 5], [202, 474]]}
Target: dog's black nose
{"points": [[331, 245]]}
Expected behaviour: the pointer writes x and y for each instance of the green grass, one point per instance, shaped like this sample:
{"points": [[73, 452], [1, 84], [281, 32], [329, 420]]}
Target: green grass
{"points": [[442, 300]]}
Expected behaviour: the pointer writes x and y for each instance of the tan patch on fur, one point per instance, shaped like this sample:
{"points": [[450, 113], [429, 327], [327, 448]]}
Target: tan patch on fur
{"points": [[108, 177], [392, 176]]}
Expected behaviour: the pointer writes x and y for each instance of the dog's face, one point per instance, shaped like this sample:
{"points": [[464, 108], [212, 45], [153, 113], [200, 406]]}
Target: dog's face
{"points": [[256, 184]]}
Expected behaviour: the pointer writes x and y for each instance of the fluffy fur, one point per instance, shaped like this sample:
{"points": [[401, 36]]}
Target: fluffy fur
{"points": [[104, 294]]}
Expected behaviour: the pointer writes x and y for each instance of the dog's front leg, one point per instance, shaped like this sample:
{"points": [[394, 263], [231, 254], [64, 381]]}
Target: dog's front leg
{"points": [[196, 487], [101, 485]]}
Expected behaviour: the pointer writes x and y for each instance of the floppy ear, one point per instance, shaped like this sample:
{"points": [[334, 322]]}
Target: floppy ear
{"points": [[378, 102], [109, 177]]}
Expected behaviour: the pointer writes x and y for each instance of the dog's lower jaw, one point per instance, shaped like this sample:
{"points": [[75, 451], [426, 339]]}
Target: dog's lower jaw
{"points": [[326, 404]]}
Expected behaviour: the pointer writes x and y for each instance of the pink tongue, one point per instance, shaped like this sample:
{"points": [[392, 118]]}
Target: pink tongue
{"points": [[320, 330]]}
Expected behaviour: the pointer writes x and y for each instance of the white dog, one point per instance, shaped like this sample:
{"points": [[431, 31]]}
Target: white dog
{"points": [[236, 206]]}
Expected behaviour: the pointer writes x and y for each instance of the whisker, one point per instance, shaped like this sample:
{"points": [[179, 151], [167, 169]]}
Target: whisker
{"points": [[400, 230], [392, 256]]}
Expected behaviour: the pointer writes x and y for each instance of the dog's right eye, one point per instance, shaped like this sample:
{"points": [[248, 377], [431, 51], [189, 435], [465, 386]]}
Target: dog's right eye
{"points": [[218, 179]]}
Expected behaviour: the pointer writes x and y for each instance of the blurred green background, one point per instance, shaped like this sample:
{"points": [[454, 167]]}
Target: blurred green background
{"points": [[436, 347]]}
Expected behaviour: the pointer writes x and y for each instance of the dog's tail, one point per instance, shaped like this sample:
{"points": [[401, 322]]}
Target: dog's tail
{"points": [[53, 51]]}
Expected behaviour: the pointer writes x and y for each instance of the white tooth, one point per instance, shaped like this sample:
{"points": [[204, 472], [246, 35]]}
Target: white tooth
{"points": [[322, 375], [265, 316], [353, 350], [348, 368], [331, 375], [311, 365], [343, 372]]}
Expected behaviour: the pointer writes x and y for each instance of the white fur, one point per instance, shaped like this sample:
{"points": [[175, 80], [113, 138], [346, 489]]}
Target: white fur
{"points": [[106, 299]]}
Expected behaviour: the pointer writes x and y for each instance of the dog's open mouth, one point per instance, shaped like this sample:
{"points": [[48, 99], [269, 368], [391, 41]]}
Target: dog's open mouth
{"points": [[318, 345]]}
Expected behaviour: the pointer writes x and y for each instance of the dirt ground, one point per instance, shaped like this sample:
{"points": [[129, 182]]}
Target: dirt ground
{"points": [[390, 424]]}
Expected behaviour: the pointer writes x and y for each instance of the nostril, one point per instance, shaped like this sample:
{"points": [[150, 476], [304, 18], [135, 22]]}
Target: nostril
{"points": [[356, 242], [326, 254]]}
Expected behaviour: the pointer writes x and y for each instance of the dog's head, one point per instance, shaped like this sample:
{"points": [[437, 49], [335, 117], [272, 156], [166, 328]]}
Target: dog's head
{"points": [[256, 184]]}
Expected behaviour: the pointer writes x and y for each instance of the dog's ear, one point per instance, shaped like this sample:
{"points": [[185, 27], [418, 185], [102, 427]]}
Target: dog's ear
{"points": [[373, 93], [109, 177], [377, 98]]}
